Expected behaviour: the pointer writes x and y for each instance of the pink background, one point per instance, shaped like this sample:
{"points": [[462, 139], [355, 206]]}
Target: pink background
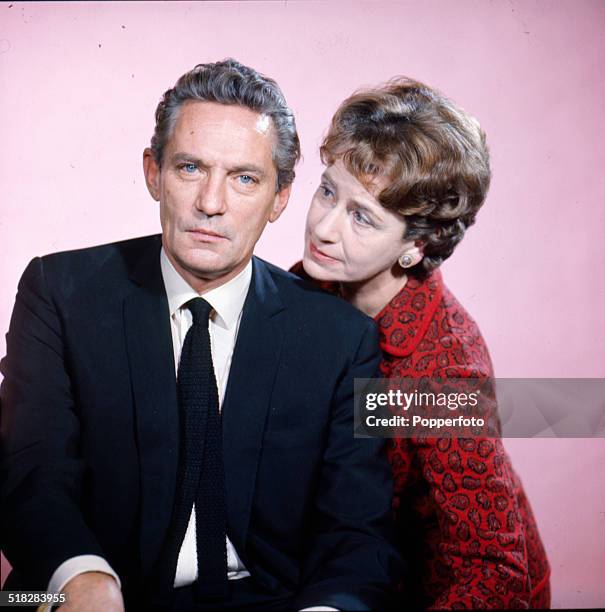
{"points": [[80, 83]]}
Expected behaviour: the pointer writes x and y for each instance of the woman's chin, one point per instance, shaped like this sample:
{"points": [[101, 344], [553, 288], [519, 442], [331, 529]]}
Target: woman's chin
{"points": [[318, 272]]}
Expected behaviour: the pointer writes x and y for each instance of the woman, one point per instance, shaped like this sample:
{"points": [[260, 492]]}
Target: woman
{"points": [[406, 173]]}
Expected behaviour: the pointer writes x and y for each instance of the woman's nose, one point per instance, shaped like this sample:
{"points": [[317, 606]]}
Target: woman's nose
{"points": [[327, 228]]}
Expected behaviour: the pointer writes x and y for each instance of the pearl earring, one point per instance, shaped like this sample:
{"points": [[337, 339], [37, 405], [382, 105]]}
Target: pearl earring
{"points": [[405, 261]]}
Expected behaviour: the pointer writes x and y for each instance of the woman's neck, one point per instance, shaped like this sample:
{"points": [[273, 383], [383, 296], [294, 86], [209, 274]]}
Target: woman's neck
{"points": [[372, 295]]}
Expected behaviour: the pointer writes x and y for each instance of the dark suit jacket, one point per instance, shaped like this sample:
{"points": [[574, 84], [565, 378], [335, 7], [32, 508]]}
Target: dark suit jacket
{"points": [[90, 431]]}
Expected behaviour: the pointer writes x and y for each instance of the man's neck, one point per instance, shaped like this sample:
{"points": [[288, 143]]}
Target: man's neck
{"points": [[201, 284]]}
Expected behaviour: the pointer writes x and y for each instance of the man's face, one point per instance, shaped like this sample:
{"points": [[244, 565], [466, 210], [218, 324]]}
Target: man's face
{"points": [[216, 189]]}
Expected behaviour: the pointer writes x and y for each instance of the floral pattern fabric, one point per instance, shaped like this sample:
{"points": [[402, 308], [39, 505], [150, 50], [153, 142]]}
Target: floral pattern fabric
{"points": [[460, 507]]}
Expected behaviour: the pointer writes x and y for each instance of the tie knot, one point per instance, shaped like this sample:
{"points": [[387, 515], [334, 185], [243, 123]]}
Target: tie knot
{"points": [[200, 310]]}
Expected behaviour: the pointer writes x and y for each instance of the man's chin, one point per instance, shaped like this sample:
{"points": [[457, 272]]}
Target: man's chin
{"points": [[208, 267]]}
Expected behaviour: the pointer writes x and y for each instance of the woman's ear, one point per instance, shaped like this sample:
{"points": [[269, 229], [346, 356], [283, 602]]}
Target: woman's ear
{"points": [[412, 254]]}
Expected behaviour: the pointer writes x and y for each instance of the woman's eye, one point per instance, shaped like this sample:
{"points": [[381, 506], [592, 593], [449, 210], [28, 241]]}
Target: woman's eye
{"points": [[326, 192], [361, 218]]}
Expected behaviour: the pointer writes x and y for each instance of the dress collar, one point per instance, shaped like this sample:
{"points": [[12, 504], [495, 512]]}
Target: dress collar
{"points": [[403, 322], [226, 300]]}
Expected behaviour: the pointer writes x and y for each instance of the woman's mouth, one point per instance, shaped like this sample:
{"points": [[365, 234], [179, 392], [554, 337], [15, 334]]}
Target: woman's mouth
{"points": [[319, 255]]}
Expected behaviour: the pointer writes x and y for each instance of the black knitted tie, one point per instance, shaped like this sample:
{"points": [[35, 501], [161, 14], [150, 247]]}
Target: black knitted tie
{"points": [[201, 479]]}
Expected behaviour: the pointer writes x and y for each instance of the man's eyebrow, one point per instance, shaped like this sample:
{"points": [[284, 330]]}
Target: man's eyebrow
{"points": [[250, 168], [187, 157], [181, 156]]}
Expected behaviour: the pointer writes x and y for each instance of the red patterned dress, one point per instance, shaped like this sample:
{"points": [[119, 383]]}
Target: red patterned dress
{"points": [[460, 507], [463, 519]]}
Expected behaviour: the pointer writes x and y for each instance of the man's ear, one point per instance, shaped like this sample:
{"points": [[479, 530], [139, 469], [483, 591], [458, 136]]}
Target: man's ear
{"points": [[152, 174], [280, 202]]}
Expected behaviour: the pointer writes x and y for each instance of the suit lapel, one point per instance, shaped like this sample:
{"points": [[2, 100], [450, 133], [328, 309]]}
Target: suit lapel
{"points": [[247, 397], [151, 358]]}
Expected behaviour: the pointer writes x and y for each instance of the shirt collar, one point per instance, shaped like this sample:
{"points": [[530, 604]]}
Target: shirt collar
{"points": [[226, 300]]}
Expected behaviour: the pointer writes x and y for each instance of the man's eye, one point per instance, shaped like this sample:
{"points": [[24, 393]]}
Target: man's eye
{"points": [[246, 179], [189, 168]]}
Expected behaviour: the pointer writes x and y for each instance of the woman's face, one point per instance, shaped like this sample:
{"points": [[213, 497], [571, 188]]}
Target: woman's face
{"points": [[350, 237]]}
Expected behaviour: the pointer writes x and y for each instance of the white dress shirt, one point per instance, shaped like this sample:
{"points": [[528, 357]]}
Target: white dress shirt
{"points": [[227, 302]]}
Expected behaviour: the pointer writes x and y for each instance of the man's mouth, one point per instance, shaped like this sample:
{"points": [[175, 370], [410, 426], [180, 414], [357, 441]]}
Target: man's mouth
{"points": [[204, 235]]}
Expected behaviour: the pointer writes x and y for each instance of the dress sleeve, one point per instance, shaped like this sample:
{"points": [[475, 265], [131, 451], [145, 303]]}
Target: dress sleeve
{"points": [[461, 494]]}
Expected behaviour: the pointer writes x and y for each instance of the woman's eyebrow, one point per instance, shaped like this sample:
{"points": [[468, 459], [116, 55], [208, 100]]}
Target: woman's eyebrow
{"points": [[325, 176], [371, 210]]}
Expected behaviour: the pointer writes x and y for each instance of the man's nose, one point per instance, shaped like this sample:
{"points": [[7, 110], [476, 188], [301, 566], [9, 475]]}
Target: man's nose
{"points": [[327, 229], [211, 199]]}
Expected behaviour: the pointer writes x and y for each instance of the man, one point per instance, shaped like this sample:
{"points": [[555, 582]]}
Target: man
{"points": [[176, 414]]}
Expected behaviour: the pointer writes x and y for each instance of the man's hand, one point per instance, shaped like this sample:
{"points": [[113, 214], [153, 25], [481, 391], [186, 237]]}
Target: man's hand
{"points": [[92, 592]]}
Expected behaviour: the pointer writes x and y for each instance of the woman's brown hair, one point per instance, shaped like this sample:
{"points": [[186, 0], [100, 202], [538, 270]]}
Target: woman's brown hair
{"points": [[433, 154]]}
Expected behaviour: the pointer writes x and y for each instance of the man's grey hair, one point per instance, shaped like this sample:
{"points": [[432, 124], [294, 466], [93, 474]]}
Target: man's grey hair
{"points": [[229, 82]]}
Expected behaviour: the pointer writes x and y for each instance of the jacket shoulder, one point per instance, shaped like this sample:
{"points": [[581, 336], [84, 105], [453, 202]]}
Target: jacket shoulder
{"points": [[97, 268], [102, 252], [311, 301]]}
